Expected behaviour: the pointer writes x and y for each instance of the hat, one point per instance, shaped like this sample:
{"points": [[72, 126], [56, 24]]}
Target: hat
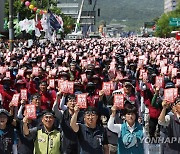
{"points": [[88, 71], [169, 85], [73, 63], [78, 84], [6, 79], [3, 111], [35, 96], [48, 112], [128, 84], [63, 74], [177, 101], [20, 82], [91, 110], [90, 84], [28, 71], [96, 77], [14, 61], [33, 61]]}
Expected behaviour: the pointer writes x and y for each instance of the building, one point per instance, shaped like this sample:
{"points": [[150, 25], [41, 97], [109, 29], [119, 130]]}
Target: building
{"points": [[170, 5], [87, 19], [2, 15], [70, 9]]}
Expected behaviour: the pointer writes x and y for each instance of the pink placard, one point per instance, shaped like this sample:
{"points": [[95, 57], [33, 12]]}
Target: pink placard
{"points": [[119, 101], [31, 111], [106, 87], [35, 71], [81, 100], [159, 81], [169, 95], [84, 77], [24, 94], [21, 72], [15, 99], [52, 83]]}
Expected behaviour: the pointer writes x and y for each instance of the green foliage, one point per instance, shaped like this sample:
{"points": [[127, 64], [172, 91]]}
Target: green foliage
{"points": [[163, 29]]}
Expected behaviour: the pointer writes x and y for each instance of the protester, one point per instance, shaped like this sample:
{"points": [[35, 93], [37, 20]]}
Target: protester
{"points": [[69, 137], [8, 137], [46, 139], [173, 126], [131, 67], [92, 137], [130, 133]]}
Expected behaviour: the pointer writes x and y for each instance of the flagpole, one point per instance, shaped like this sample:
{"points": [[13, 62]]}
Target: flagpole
{"points": [[11, 30]]}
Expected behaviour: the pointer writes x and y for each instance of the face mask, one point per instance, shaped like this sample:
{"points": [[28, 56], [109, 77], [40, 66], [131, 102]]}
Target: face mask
{"points": [[90, 90], [6, 86]]}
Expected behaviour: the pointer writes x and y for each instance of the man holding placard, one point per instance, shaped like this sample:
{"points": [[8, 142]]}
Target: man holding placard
{"points": [[96, 142], [46, 138]]}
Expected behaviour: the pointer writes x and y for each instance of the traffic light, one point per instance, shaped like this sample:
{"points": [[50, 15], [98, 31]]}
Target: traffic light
{"points": [[99, 12], [90, 2]]}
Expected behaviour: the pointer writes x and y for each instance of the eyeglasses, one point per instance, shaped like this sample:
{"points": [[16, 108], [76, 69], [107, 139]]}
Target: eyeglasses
{"points": [[90, 112], [71, 100], [49, 117], [90, 115]]}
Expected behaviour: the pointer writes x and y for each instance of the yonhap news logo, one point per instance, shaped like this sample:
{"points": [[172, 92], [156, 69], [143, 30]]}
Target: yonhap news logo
{"points": [[160, 140]]}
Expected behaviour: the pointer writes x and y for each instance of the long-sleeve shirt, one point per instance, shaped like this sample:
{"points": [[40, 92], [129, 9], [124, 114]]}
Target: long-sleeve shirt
{"points": [[116, 128]]}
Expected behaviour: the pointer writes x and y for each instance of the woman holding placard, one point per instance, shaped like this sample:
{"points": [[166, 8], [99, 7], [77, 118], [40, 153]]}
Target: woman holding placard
{"points": [[130, 133]]}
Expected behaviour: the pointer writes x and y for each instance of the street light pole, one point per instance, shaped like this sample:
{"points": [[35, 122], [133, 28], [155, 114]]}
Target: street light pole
{"points": [[11, 28]]}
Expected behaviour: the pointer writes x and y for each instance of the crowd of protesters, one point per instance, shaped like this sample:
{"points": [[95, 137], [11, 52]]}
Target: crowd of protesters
{"points": [[90, 96]]}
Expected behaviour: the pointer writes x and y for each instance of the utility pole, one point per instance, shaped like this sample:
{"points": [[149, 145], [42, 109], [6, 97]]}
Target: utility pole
{"points": [[11, 28]]}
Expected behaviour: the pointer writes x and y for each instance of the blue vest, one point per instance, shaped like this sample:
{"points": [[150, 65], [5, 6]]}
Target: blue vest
{"points": [[138, 147]]}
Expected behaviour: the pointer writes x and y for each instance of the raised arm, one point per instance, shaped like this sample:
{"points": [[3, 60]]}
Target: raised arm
{"points": [[25, 126], [28, 133], [55, 108], [163, 119], [111, 126], [62, 102], [20, 114], [74, 125]]}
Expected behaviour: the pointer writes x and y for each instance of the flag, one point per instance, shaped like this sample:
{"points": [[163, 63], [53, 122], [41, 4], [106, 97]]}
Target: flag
{"points": [[54, 22], [38, 27], [45, 22], [59, 19]]}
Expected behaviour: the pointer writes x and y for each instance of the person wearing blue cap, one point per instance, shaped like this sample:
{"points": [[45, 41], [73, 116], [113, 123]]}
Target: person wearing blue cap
{"points": [[130, 133]]}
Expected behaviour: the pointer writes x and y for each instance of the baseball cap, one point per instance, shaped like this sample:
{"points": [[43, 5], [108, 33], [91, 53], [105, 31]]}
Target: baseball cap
{"points": [[177, 101], [48, 112], [3, 111], [128, 84], [169, 85]]}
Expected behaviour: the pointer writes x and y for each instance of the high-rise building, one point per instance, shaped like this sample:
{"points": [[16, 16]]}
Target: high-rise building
{"points": [[2, 15], [170, 5]]}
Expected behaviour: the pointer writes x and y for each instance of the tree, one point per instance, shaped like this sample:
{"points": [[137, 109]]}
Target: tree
{"points": [[162, 26]]}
